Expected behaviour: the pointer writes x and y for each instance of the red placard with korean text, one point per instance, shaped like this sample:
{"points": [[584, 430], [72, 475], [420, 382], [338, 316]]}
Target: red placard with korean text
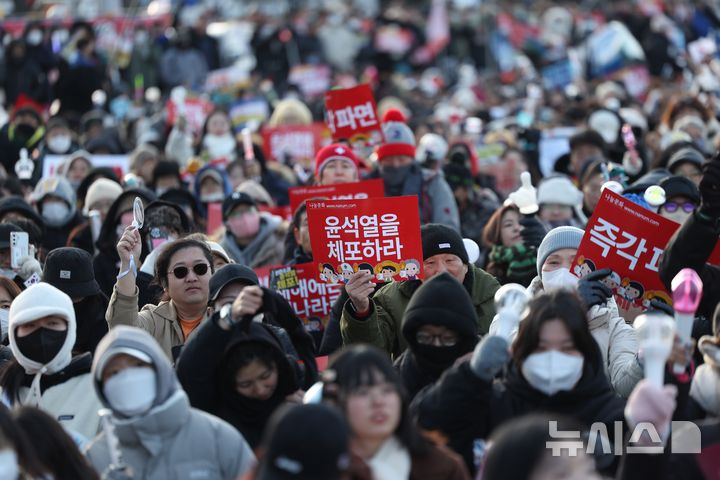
{"points": [[351, 115], [378, 234], [299, 142], [194, 109], [341, 191], [310, 298], [630, 240]]}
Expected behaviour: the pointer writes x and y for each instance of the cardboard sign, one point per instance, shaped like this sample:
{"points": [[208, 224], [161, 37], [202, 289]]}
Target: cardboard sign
{"points": [[630, 240], [381, 235], [119, 163], [310, 298], [230, 78], [195, 110], [342, 191], [249, 111], [312, 80], [299, 143], [282, 212], [351, 115]]}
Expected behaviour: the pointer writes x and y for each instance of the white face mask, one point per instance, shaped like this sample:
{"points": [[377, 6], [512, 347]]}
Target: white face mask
{"points": [[552, 371], [132, 391], [4, 317], [559, 279], [219, 146], [34, 38], [9, 469], [55, 212], [59, 143]]}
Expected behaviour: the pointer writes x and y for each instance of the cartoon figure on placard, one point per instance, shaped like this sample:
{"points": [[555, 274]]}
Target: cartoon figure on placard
{"points": [[634, 292], [658, 296], [327, 273], [346, 272], [387, 270], [613, 282], [367, 267], [411, 270], [584, 267]]}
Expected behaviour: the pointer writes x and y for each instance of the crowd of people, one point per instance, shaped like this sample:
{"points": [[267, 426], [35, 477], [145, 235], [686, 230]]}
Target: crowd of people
{"points": [[139, 342]]}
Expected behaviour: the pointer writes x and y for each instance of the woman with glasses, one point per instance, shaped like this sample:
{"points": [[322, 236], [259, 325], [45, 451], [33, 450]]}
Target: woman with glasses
{"points": [[439, 326], [183, 270], [682, 197]]}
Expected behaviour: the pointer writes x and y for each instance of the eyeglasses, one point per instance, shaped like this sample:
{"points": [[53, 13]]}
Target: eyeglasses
{"points": [[181, 272], [444, 340], [671, 207]]}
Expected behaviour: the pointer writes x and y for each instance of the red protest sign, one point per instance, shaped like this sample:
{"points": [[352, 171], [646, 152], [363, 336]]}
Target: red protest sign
{"points": [[195, 110], [341, 191], [297, 142], [215, 220], [630, 240], [310, 299], [378, 234], [351, 115]]}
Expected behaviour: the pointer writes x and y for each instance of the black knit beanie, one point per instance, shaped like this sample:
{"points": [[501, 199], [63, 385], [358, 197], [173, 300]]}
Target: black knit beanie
{"points": [[438, 239]]}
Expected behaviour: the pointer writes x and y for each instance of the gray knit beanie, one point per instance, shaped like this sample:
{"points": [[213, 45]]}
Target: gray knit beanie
{"points": [[557, 239]]}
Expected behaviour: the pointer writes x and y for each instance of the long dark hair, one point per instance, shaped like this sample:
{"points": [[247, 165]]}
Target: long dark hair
{"points": [[12, 435], [364, 365], [55, 450], [557, 305]]}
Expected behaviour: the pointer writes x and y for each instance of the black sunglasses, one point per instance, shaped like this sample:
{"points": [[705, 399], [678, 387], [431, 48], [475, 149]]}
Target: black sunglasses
{"points": [[200, 269]]}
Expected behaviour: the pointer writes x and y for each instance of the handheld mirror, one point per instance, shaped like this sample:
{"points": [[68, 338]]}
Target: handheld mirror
{"points": [[138, 213]]}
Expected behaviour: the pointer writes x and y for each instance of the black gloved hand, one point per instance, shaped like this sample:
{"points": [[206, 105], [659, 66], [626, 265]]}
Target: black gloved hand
{"points": [[592, 291], [532, 232], [660, 306], [710, 188], [489, 357]]}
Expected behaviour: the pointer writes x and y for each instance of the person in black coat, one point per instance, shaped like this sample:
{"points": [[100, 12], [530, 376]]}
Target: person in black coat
{"points": [[556, 367], [695, 240], [440, 326], [236, 369], [107, 262], [70, 270], [234, 281]]}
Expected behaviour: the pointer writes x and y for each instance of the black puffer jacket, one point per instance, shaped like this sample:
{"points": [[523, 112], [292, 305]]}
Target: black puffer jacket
{"points": [[210, 385], [464, 408]]}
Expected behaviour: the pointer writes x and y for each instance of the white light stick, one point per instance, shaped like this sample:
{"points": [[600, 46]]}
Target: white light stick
{"points": [[656, 332]]}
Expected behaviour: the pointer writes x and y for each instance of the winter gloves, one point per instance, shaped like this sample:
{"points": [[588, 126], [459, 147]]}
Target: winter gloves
{"points": [[710, 189], [525, 197], [651, 404], [533, 232], [592, 291], [489, 357]]}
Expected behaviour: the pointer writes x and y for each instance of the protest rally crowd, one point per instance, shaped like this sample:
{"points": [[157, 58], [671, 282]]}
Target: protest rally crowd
{"points": [[443, 239]]}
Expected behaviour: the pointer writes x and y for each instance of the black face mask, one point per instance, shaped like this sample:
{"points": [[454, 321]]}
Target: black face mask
{"points": [[23, 133], [434, 360], [42, 345]]}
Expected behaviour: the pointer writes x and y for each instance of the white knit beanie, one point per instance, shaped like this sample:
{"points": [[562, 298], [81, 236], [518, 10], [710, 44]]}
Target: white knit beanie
{"points": [[38, 301], [559, 189], [102, 189]]}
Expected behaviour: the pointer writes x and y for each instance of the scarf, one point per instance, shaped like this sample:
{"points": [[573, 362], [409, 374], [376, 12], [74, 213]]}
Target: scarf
{"points": [[519, 259], [391, 462]]}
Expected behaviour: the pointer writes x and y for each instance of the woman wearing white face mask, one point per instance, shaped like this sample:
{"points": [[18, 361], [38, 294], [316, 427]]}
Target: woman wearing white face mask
{"points": [[218, 140], [555, 366], [55, 200], [616, 339], [158, 434]]}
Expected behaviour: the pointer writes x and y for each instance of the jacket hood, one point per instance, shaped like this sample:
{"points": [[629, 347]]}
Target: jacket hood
{"points": [[108, 235], [123, 339], [57, 187], [442, 301], [214, 172], [17, 204]]}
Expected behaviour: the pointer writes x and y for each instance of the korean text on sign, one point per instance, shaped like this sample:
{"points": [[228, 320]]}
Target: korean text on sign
{"points": [[375, 234], [351, 113], [630, 241]]}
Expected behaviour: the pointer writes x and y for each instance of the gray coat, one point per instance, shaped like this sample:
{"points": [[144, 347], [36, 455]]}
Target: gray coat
{"points": [[176, 441], [171, 440]]}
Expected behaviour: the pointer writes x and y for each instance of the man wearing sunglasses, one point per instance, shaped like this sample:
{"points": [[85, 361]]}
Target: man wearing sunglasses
{"points": [[183, 270], [682, 198]]}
